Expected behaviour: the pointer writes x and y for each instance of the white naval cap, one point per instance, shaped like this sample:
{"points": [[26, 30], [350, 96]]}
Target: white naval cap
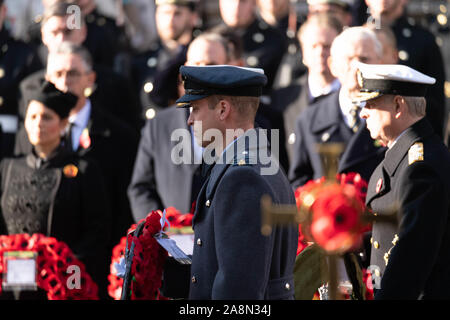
{"points": [[378, 79]]}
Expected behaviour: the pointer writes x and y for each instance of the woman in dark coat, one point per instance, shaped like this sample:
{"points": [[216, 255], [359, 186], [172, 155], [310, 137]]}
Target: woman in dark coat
{"points": [[54, 192]]}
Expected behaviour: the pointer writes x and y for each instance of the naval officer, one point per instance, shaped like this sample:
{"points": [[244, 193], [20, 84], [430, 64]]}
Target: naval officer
{"points": [[412, 254]]}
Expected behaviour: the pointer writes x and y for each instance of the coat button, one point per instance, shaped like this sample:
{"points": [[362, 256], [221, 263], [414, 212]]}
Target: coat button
{"points": [[199, 242], [287, 286], [193, 279], [208, 203], [376, 244]]}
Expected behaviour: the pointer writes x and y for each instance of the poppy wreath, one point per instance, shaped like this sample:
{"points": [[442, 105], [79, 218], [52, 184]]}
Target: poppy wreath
{"points": [[53, 260], [332, 212], [149, 256]]}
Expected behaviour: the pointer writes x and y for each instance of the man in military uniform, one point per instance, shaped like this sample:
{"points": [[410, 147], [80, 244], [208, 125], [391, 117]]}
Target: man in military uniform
{"points": [[155, 72], [104, 38], [335, 118], [417, 48], [411, 254], [17, 60], [264, 45], [282, 15], [231, 258]]}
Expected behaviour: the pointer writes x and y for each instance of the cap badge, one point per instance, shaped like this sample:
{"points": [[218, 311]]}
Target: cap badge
{"points": [[70, 171], [415, 153], [360, 78]]}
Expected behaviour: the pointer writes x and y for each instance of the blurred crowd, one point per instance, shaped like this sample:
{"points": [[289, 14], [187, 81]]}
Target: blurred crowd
{"points": [[121, 59]]}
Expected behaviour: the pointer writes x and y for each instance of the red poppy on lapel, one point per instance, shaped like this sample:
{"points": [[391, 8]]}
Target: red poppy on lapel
{"points": [[85, 139]]}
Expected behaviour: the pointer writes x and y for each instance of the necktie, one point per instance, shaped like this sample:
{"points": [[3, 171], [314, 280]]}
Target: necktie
{"points": [[354, 121]]}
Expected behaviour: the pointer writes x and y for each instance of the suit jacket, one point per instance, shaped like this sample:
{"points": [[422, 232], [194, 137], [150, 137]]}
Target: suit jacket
{"points": [[231, 258], [412, 255], [291, 101], [158, 182], [321, 123]]}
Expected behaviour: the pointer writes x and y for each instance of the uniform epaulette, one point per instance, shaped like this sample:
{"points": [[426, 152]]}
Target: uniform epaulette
{"points": [[415, 153]]}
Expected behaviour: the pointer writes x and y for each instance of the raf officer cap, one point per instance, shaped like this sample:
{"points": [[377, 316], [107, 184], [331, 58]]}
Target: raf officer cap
{"points": [[204, 81], [376, 80]]}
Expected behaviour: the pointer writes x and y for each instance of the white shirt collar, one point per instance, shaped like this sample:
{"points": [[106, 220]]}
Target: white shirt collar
{"points": [[346, 105], [317, 91]]}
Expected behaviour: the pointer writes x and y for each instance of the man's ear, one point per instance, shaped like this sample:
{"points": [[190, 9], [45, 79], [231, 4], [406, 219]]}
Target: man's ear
{"points": [[224, 109], [332, 66], [399, 106]]}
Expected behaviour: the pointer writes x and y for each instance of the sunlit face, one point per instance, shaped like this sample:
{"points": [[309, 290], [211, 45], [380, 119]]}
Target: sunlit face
{"points": [[172, 21], [344, 63], [203, 53], [316, 43], [237, 13], [55, 31], [202, 118], [380, 118], [68, 72], [380, 7], [43, 125], [276, 7]]}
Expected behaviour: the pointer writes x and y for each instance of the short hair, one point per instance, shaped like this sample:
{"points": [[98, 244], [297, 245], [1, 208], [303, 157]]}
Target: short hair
{"points": [[235, 43], [71, 48], [215, 37], [353, 34], [416, 105], [321, 20], [388, 34], [59, 9], [245, 106]]}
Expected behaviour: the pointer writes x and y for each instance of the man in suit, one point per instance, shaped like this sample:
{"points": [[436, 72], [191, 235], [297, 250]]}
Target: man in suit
{"points": [[335, 118], [315, 37], [94, 133], [417, 48], [113, 90], [411, 253], [231, 258]]}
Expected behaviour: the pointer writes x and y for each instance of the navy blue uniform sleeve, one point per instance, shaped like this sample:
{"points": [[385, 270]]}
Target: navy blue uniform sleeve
{"points": [[243, 253]]}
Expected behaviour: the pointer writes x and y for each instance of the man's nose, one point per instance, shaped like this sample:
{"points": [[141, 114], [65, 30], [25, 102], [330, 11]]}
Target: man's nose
{"points": [[363, 113]]}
